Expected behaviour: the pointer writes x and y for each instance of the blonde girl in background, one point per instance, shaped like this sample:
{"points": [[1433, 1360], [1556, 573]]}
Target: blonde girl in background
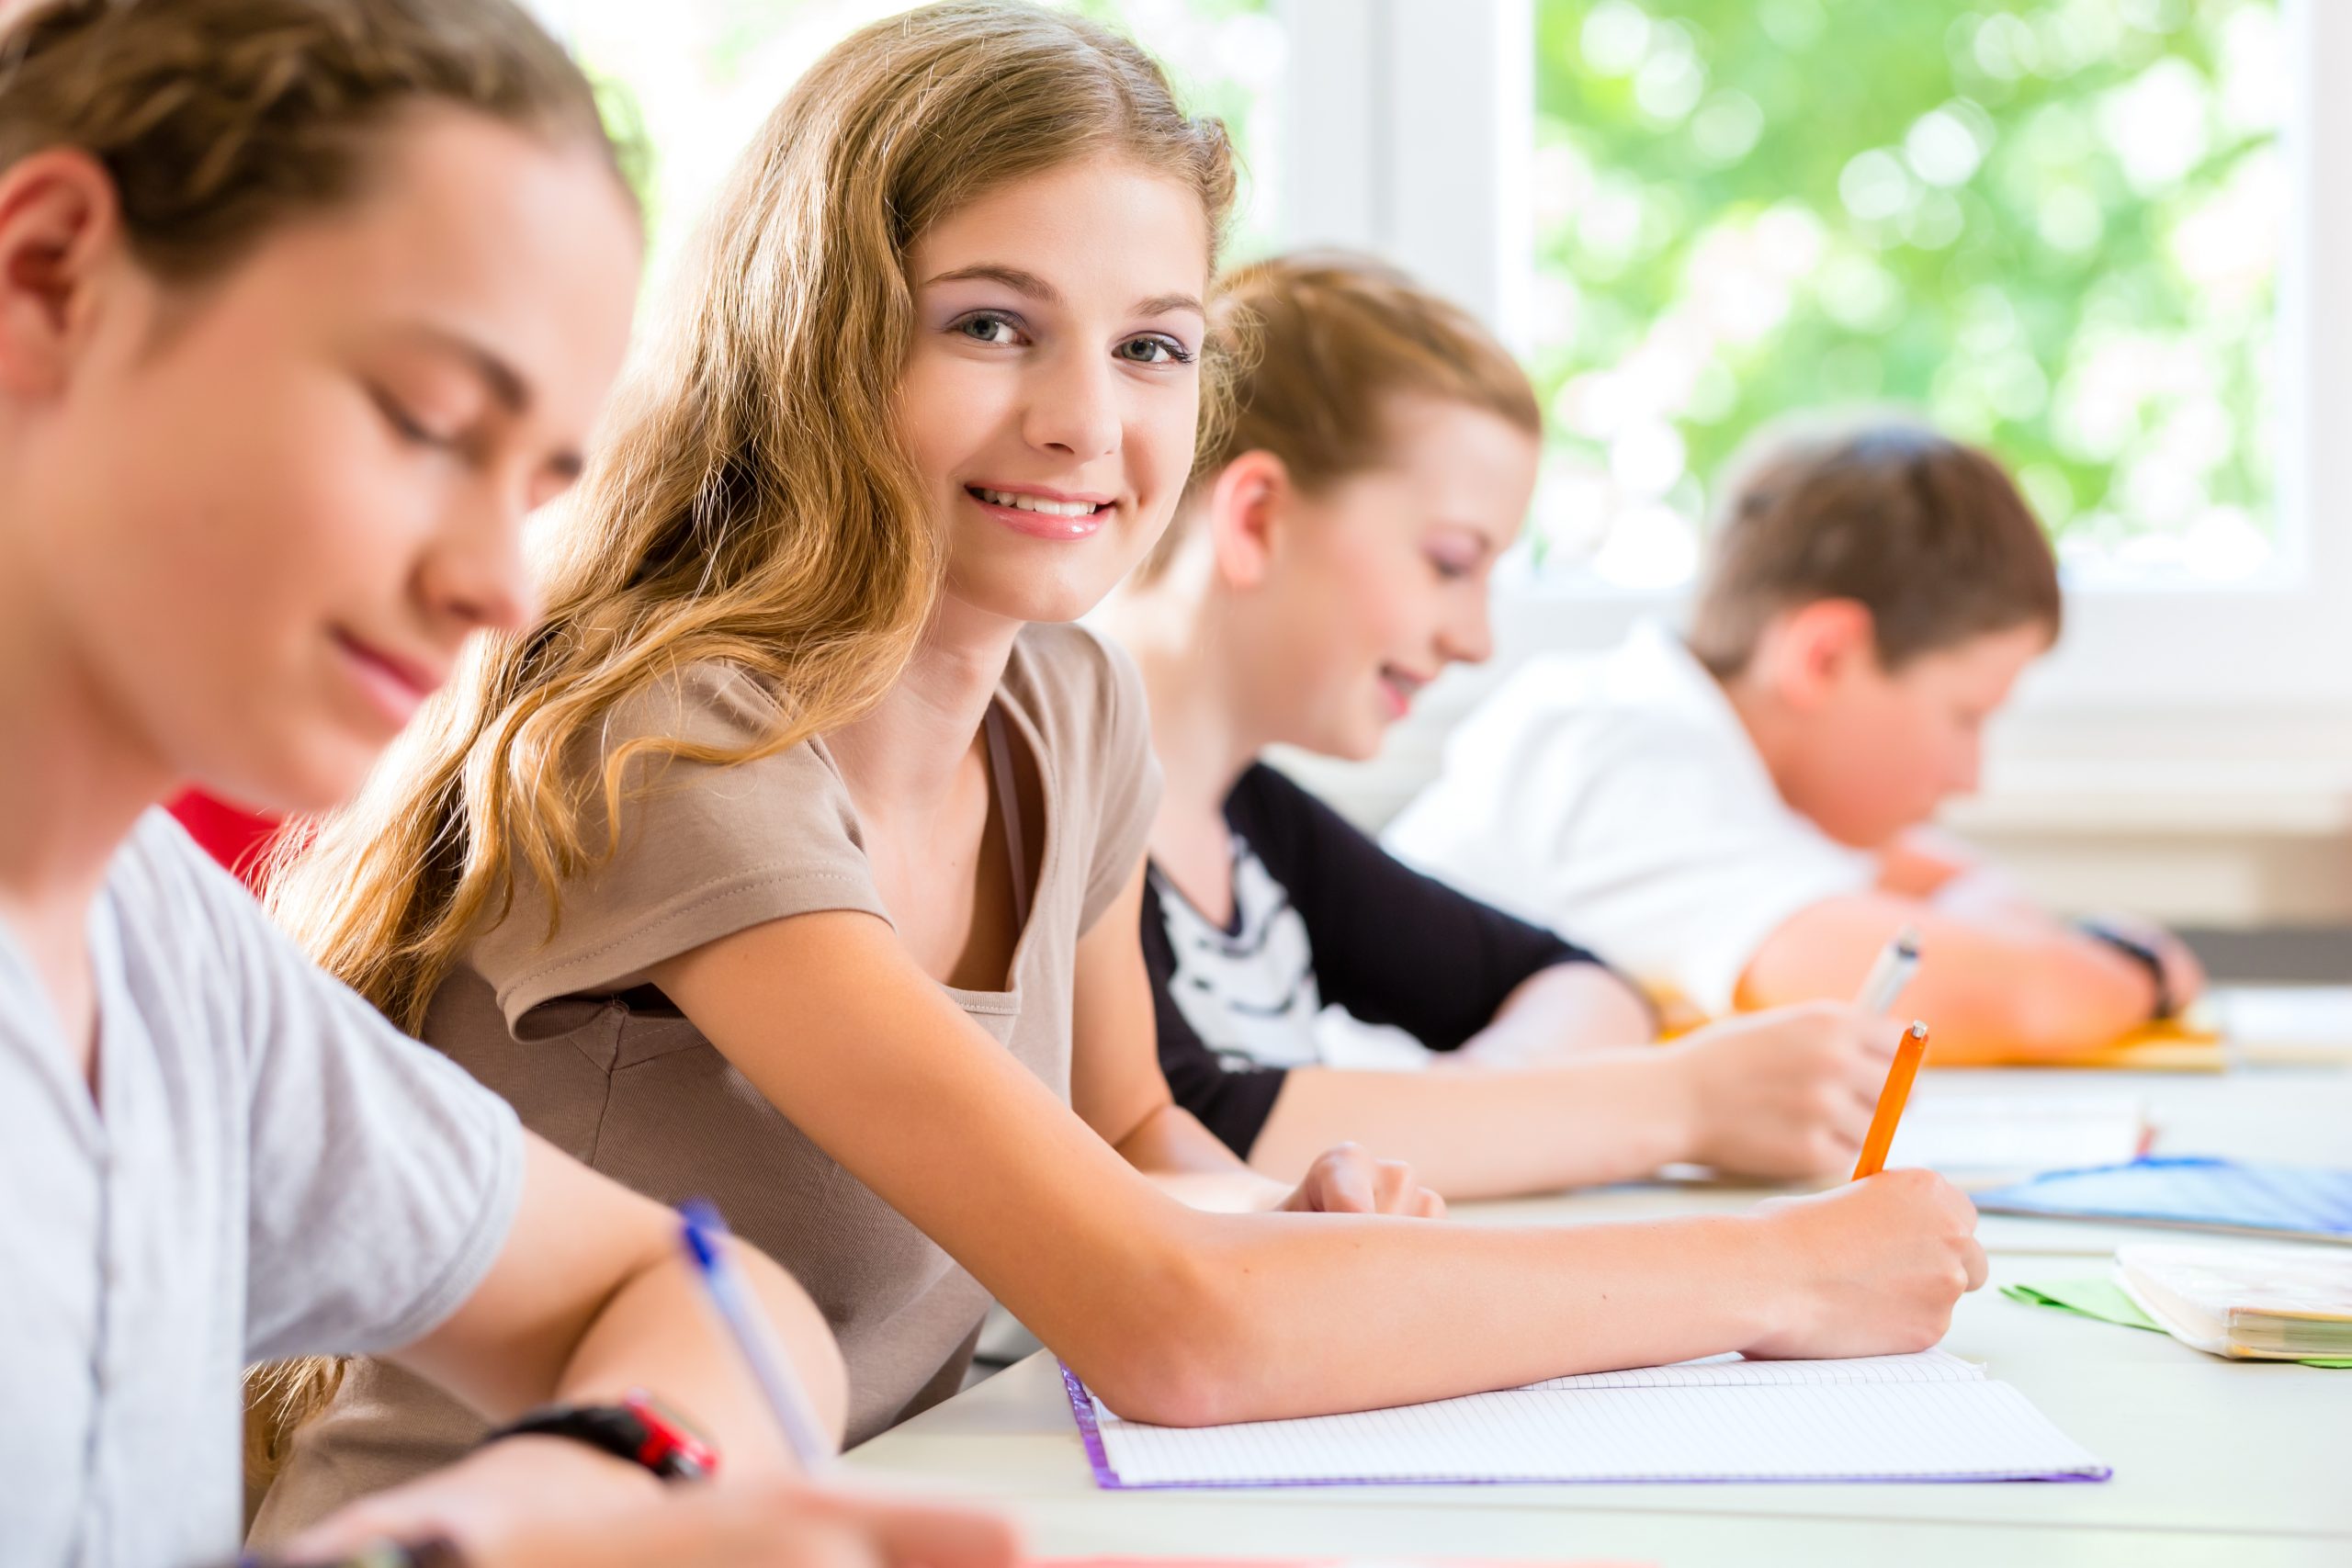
{"points": [[795, 855], [303, 305], [1332, 556]]}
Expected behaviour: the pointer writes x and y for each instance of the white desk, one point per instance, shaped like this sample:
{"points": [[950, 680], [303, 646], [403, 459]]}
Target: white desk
{"points": [[2216, 1462]]}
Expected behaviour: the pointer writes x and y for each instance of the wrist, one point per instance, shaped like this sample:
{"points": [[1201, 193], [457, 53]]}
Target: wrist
{"points": [[559, 1462], [2143, 955], [1772, 1309], [1682, 1079], [634, 1432]]}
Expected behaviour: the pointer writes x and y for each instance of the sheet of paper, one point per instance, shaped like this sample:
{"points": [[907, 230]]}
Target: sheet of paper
{"points": [[1909, 1418], [2019, 1133], [2288, 1023]]}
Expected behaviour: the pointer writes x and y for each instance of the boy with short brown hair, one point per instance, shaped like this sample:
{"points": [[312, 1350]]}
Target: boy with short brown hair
{"points": [[1738, 814]]}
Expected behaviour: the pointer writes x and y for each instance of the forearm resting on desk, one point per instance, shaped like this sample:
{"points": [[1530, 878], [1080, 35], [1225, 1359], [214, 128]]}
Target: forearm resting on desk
{"points": [[1189, 1163], [1606, 1116], [1986, 986], [1435, 1311], [1186, 1161], [1555, 1015]]}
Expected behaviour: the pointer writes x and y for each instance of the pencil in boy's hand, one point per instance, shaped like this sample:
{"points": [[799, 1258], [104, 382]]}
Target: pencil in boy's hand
{"points": [[1890, 1101]]}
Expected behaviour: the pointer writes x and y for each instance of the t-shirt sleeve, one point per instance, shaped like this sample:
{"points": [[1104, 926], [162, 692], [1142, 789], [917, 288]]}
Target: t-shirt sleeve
{"points": [[1232, 1098], [1126, 780], [384, 1181], [704, 850], [1391, 945], [1681, 867]]}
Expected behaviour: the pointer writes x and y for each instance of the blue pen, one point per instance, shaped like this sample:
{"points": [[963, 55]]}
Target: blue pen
{"points": [[706, 1236]]}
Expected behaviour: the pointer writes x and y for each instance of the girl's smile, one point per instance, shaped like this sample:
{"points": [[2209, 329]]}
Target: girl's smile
{"points": [[1044, 513]]}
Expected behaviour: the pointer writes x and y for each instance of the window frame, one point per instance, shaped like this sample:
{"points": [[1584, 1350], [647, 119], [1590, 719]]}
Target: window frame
{"points": [[1421, 164]]}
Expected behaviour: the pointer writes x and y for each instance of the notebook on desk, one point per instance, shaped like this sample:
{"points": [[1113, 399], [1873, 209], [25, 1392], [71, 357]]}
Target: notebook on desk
{"points": [[2195, 1042], [2287, 1025], [2262, 1304], [2306, 1202], [1930, 1416], [2191, 1044], [2011, 1134]]}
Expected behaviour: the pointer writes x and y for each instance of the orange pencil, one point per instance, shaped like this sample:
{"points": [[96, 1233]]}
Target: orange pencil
{"points": [[1890, 1101]]}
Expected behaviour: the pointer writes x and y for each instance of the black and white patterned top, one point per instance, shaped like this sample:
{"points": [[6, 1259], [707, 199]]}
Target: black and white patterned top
{"points": [[1321, 915], [1249, 989]]}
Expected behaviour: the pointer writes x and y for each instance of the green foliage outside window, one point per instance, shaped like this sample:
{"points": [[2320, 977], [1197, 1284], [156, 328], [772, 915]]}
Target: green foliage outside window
{"points": [[2053, 225]]}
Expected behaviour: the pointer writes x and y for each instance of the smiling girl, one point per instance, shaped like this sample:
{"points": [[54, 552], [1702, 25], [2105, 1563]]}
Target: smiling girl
{"points": [[796, 854], [304, 304], [1332, 556]]}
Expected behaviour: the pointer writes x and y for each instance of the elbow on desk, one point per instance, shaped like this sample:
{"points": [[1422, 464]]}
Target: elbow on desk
{"points": [[1176, 1352]]}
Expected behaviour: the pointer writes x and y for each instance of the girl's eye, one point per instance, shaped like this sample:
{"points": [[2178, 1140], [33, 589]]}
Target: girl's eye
{"points": [[1452, 570], [988, 328], [405, 424], [1155, 350]]}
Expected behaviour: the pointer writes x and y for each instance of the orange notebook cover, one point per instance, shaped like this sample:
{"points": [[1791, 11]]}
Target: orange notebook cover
{"points": [[2190, 1045], [2175, 1045]]}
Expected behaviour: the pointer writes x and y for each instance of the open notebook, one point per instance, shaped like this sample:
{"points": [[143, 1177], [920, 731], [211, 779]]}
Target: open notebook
{"points": [[2192, 1191], [1930, 1416]]}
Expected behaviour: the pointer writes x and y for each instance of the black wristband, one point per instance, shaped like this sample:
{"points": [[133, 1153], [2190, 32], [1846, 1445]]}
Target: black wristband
{"points": [[2146, 956], [634, 1430]]}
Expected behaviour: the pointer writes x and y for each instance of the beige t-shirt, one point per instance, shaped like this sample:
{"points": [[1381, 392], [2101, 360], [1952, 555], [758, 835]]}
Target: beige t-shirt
{"points": [[597, 1062]]}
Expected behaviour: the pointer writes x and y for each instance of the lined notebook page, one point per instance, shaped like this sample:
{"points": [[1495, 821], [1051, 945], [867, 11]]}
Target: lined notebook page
{"points": [[1930, 1418], [1733, 1369]]}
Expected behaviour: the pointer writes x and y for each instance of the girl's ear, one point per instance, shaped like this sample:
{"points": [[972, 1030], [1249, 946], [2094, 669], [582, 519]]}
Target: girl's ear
{"points": [[60, 224], [1245, 509]]}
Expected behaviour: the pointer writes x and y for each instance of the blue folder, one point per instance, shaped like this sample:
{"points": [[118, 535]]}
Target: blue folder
{"points": [[2199, 1194]]}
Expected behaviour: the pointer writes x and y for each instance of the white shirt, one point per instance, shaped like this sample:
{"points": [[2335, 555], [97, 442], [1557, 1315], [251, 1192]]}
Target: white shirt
{"points": [[1619, 799], [268, 1169]]}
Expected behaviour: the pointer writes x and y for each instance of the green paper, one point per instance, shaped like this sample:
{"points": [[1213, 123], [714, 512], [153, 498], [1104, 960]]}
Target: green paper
{"points": [[2101, 1299], [2106, 1301]]}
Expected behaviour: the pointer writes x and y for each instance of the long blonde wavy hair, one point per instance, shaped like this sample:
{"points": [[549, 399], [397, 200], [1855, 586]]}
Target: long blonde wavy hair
{"points": [[750, 499]]}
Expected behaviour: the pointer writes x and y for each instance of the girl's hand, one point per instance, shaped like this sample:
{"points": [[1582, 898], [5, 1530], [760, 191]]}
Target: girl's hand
{"points": [[1787, 1093], [1870, 1268], [1345, 1179]]}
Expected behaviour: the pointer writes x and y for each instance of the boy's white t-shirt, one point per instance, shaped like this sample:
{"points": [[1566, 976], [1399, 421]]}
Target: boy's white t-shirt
{"points": [[269, 1169], [1619, 800]]}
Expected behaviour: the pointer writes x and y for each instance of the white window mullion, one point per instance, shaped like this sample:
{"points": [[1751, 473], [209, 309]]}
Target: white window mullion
{"points": [[1331, 124], [1408, 133]]}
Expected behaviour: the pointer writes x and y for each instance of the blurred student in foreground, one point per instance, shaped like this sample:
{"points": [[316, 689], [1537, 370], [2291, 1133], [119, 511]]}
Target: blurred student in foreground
{"points": [[304, 304]]}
